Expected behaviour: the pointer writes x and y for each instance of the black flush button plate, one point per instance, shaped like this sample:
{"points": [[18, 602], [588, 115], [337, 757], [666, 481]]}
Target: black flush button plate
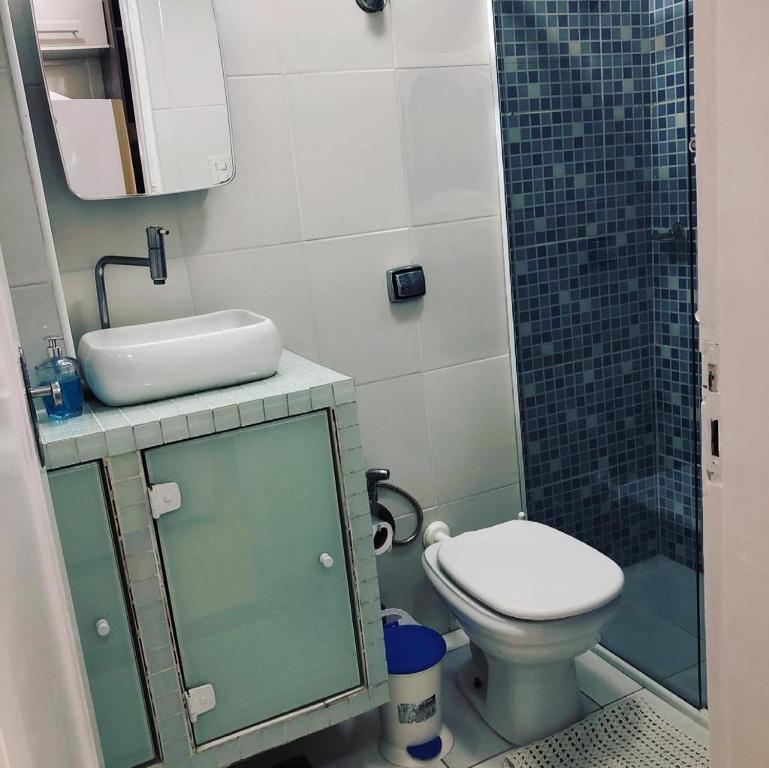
{"points": [[406, 283]]}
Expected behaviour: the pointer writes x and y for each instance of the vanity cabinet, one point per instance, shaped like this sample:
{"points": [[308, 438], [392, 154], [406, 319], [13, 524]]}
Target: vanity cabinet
{"points": [[220, 556], [106, 632], [257, 572]]}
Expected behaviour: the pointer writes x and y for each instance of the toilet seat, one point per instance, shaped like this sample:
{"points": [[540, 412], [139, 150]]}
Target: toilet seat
{"points": [[529, 571]]}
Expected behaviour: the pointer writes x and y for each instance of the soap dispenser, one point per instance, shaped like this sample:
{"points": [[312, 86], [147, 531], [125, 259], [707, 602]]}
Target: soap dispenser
{"points": [[66, 372]]}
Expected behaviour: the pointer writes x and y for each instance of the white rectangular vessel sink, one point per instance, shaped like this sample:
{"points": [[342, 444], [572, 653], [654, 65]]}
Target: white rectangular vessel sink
{"points": [[140, 363]]}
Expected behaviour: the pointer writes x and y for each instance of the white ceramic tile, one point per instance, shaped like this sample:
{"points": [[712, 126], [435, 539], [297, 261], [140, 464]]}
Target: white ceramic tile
{"points": [[269, 281], [651, 643], [393, 424], [450, 143], [474, 741], [348, 152], [248, 33], [113, 227], [36, 317], [21, 237], [666, 588], [465, 312], [259, 206], [602, 682], [350, 39], [133, 298], [482, 511], [360, 333], [431, 33], [471, 423], [687, 683], [588, 705], [403, 584]]}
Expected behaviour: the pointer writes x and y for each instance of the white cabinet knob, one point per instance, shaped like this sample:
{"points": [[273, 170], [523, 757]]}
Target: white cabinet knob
{"points": [[103, 628], [326, 560]]}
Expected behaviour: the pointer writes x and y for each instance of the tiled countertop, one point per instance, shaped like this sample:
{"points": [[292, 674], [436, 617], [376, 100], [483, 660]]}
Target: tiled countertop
{"points": [[298, 387]]}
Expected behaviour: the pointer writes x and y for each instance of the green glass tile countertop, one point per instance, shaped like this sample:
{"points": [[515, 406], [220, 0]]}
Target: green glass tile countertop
{"points": [[298, 387]]}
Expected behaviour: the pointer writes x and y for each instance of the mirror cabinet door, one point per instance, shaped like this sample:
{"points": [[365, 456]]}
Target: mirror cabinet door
{"points": [[137, 93]]}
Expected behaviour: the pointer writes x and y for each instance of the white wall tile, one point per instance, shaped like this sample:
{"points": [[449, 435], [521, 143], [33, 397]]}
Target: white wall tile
{"points": [[393, 426], [248, 33], [21, 236], [465, 312], [359, 332], [133, 298], [471, 423], [348, 153], [432, 33], [403, 584], [85, 230], [450, 143], [259, 207], [334, 35], [36, 317], [269, 281], [482, 511]]}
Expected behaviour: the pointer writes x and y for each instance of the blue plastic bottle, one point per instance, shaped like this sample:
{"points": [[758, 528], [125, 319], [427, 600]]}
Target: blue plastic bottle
{"points": [[65, 371]]}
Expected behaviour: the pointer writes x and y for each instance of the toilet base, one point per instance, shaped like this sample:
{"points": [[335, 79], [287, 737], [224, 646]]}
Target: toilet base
{"points": [[521, 702]]}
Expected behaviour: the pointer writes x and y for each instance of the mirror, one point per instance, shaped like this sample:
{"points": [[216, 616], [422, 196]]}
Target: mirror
{"points": [[137, 94]]}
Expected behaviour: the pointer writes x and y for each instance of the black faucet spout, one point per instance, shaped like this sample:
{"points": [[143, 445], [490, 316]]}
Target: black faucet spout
{"points": [[156, 261]]}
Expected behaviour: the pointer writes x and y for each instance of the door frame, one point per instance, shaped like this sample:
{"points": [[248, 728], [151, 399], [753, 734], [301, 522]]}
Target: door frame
{"points": [[45, 708]]}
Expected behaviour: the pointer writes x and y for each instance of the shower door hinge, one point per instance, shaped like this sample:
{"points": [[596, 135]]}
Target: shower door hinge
{"points": [[164, 498], [711, 411], [199, 701]]}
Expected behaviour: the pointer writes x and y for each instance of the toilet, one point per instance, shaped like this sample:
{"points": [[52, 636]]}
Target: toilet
{"points": [[531, 599]]}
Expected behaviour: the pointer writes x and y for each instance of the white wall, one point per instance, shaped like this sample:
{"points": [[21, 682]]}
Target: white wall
{"points": [[362, 143], [733, 185], [44, 707], [22, 227]]}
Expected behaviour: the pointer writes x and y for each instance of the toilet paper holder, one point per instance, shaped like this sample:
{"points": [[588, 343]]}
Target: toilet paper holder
{"points": [[377, 479]]}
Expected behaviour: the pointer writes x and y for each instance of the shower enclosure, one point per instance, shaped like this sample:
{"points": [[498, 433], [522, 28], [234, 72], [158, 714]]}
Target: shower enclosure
{"points": [[596, 102]]}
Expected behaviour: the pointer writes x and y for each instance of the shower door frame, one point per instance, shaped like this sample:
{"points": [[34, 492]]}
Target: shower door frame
{"points": [[698, 714]]}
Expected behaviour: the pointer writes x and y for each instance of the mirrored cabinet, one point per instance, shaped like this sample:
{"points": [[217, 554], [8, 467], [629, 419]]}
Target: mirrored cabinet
{"points": [[137, 95]]}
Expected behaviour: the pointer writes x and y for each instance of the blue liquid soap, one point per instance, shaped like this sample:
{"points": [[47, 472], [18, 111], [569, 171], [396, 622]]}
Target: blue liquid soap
{"points": [[65, 371]]}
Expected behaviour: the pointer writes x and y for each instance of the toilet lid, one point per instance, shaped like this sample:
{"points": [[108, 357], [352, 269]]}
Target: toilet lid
{"points": [[526, 570]]}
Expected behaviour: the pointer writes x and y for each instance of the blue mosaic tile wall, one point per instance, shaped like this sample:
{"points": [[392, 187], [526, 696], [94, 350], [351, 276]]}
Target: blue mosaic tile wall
{"points": [[676, 364], [583, 134]]}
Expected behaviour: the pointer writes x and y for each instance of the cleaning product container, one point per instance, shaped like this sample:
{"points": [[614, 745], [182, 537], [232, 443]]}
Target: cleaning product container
{"points": [[412, 728]]}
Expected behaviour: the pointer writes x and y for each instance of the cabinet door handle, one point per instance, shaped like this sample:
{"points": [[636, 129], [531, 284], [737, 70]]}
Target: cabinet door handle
{"points": [[326, 560], [103, 628]]}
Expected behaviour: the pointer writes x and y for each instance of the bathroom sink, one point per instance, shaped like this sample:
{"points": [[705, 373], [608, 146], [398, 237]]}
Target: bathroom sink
{"points": [[139, 363]]}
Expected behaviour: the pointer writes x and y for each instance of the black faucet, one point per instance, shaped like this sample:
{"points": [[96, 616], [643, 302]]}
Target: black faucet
{"points": [[156, 261]]}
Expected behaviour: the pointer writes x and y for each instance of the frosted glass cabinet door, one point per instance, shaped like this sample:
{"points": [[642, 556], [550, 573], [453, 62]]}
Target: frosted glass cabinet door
{"points": [[256, 570], [117, 693]]}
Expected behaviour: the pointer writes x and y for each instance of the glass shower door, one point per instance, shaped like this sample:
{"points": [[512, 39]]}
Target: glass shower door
{"points": [[596, 101]]}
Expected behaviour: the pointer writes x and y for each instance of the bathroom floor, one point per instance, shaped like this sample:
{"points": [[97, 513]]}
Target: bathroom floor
{"points": [[354, 743], [656, 629]]}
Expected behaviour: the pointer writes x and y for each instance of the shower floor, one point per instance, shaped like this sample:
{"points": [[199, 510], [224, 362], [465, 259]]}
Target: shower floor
{"points": [[657, 627]]}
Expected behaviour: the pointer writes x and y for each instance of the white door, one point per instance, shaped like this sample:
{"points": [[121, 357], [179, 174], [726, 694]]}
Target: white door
{"points": [[45, 716]]}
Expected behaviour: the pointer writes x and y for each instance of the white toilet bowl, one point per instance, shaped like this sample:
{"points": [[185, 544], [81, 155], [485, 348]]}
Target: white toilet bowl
{"points": [[530, 599]]}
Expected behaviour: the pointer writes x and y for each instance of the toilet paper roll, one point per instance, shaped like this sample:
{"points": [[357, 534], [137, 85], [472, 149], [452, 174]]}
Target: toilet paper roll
{"points": [[383, 536]]}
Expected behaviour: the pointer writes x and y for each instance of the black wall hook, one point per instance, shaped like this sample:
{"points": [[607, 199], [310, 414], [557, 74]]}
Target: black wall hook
{"points": [[371, 6]]}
